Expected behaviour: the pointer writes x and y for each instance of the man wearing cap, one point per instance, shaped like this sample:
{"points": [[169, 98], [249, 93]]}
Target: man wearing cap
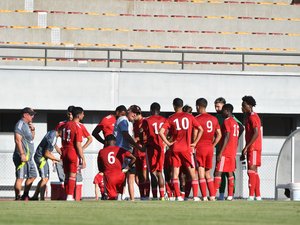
{"points": [[23, 155], [124, 139]]}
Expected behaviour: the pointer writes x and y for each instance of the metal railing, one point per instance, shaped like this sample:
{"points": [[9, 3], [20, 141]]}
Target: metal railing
{"points": [[182, 58]]}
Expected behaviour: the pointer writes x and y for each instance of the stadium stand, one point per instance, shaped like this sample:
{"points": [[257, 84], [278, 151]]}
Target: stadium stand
{"points": [[181, 25]]}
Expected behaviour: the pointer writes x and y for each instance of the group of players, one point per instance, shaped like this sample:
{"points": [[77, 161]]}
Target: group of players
{"points": [[182, 146]]}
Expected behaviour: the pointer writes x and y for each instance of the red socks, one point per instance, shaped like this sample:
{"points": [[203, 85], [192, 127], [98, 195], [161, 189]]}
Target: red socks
{"points": [[211, 187], [195, 188], [217, 183], [230, 186], [70, 189], [252, 182], [169, 189], [162, 192], [175, 183], [202, 183]]}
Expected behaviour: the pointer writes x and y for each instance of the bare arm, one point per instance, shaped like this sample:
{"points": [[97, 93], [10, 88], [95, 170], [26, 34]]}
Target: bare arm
{"points": [[254, 137], [58, 149], [96, 191], [96, 134], [164, 138], [131, 141], [80, 153], [217, 138], [49, 155], [226, 139], [87, 143], [18, 142], [199, 131]]}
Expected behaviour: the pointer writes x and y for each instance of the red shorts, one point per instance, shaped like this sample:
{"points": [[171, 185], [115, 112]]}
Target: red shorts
{"points": [[227, 164], [70, 161], [156, 158], [204, 157], [185, 158], [114, 184], [141, 163], [254, 158]]}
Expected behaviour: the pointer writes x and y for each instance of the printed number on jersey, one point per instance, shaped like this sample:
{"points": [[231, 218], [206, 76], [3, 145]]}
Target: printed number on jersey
{"points": [[209, 126], [236, 130], [156, 127], [111, 158], [66, 135], [183, 124]]}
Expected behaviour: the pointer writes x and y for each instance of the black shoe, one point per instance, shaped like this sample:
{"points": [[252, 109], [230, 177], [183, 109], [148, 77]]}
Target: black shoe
{"points": [[34, 199], [18, 198], [24, 197]]}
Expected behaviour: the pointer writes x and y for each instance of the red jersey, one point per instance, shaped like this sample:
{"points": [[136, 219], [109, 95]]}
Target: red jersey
{"points": [[107, 125], [209, 124], [230, 126], [110, 159], [253, 121], [85, 133], [98, 179], [60, 124], [180, 126], [151, 127], [71, 134]]}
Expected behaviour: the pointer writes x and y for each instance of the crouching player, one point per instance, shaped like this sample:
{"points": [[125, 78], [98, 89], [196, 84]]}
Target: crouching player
{"points": [[110, 161], [41, 156], [228, 147]]}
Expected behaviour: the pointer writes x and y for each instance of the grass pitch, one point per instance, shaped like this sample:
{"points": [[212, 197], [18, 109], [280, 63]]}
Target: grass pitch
{"points": [[149, 212]]}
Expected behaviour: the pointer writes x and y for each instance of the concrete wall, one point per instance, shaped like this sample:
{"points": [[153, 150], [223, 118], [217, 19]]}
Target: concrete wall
{"points": [[103, 89]]}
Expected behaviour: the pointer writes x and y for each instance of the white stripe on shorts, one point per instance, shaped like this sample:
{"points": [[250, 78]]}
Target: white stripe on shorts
{"points": [[254, 157], [222, 163], [192, 160]]}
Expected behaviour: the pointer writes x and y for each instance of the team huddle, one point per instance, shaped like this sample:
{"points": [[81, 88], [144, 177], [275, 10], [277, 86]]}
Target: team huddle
{"points": [[169, 156]]}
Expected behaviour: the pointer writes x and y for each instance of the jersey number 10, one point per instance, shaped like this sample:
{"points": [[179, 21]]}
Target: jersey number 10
{"points": [[184, 124]]}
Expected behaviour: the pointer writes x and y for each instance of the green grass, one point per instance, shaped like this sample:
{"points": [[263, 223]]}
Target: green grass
{"points": [[150, 212]]}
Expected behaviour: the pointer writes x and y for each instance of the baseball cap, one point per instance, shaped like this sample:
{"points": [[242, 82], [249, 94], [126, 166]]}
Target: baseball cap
{"points": [[28, 110], [135, 109]]}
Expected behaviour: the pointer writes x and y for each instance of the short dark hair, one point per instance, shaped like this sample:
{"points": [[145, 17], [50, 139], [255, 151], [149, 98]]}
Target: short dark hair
{"points": [[155, 107], [76, 111], [70, 108], [220, 100], [110, 137], [228, 107], [178, 102], [187, 108], [201, 102], [28, 110], [121, 108], [135, 109], [249, 100]]}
